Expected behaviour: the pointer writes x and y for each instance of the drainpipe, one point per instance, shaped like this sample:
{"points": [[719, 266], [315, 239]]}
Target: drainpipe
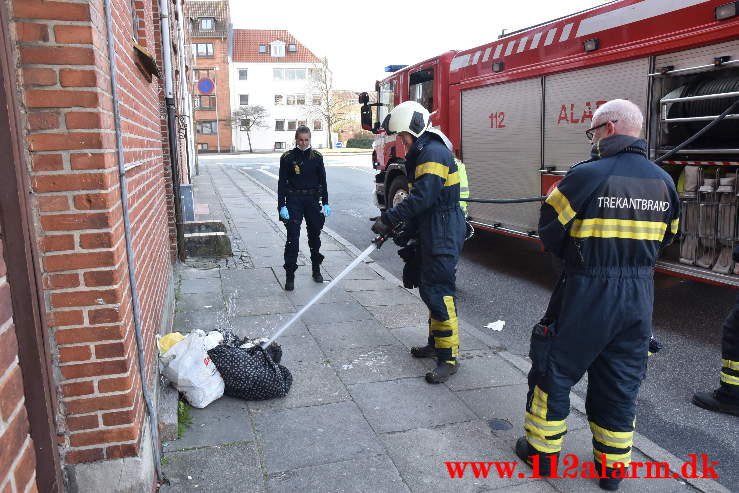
{"points": [[192, 163], [171, 123], [150, 407]]}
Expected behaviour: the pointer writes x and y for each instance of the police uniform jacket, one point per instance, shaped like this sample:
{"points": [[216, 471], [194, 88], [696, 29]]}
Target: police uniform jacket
{"points": [[616, 210], [433, 203], [301, 173]]}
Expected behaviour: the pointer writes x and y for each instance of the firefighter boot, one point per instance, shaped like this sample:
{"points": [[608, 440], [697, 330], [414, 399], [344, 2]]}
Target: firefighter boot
{"points": [[715, 401], [317, 273], [442, 372], [527, 453], [609, 482], [289, 281], [427, 351]]}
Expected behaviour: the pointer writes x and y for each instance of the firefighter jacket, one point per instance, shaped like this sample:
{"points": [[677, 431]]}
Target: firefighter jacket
{"points": [[618, 209], [302, 173], [464, 186], [433, 204]]}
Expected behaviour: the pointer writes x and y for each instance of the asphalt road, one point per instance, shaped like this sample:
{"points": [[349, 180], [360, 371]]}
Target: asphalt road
{"points": [[501, 278]]}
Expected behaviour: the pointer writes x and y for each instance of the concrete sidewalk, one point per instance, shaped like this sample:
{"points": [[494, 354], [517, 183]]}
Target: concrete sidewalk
{"points": [[360, 416]]}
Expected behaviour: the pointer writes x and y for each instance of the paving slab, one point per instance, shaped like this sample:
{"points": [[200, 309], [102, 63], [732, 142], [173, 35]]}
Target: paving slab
{"points": [[390, 296], [195, 286], [336, 312], [336, 432], [484, 368], [205, 320], [222, 422], [258, 326], [357, 334], [200, 302], [222, 469], [406, 404], [375, 474], [361, 272], [397, 316], [420, 455], [377, 364], [185, 272], [364, 284], [417, 336], [306, 291], [277, 303]]}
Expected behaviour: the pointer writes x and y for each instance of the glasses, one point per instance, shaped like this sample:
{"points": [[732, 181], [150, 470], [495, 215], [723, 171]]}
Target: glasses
{"points": [[590, 133]]}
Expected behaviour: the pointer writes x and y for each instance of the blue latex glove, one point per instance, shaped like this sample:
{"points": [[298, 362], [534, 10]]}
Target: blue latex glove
{"points": [[326, 210], [283, 213]]}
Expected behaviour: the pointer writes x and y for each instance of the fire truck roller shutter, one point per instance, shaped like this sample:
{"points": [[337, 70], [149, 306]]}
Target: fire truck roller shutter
{"points": [[572, 98], [501, 145]]}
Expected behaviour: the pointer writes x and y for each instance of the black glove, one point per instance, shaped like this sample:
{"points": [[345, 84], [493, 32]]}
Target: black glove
{"points": [[380, 227], [411, 255], [735, 253]]}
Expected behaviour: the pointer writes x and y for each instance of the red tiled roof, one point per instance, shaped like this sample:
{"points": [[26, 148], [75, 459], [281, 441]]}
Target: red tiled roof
{"points": [[247, 41]]}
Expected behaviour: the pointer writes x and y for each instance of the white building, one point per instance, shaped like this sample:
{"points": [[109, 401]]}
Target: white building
{"points": [[272, 69]]}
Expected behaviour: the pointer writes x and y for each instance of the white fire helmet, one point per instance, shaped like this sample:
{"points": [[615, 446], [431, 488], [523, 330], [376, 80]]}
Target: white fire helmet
{"points": [[408, 116]]}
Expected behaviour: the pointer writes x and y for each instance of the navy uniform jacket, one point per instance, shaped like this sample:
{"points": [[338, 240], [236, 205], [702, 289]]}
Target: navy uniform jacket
{"points": [[617, 210], [301, 170], [433, 204]]}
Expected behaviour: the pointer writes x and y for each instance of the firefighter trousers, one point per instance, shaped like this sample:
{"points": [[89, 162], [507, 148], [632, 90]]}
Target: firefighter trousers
{"points": [[730, 356], [602, 328], [437, 290], [299, 207]]}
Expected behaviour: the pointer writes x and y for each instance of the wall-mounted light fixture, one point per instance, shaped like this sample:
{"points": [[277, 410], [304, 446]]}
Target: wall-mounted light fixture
{"points": [[591, 44], [498, 66]]}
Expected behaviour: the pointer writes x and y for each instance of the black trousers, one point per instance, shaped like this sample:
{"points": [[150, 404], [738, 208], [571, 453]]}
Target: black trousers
{"points": [[300, 207], [437, 290], [730, 355]]}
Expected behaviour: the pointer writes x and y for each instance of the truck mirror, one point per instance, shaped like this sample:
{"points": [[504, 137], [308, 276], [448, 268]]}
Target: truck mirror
{"points": [[363, 98], [366, 116]]}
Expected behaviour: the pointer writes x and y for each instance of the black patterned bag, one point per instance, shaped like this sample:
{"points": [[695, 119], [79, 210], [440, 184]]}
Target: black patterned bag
{"points": [[252, 374]]}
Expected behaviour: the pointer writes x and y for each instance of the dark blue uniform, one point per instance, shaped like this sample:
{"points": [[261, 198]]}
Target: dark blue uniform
{"points": [[433, 208], [302, 183], [608, 219]]}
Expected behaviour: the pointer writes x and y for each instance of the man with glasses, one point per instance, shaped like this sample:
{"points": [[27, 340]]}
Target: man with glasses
{"points": [[607, 219]]}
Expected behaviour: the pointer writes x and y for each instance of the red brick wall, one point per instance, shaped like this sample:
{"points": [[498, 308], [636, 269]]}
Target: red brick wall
{"points": [[17, 460], [67, 107], [223, 95]]}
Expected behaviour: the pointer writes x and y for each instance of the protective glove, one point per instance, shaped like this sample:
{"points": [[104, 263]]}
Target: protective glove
{"points": [[283, 213], [380, 227], [326, 210]]}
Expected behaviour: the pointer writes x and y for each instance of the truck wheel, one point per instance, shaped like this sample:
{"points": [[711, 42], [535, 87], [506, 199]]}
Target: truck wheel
{"points": [[398, 190]]}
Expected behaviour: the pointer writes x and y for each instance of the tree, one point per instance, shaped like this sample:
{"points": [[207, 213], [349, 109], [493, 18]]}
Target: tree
{"points": [[335, 107], [248, 118]]}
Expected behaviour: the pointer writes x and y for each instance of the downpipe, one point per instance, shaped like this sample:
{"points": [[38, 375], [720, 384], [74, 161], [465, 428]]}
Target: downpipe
{"points": [[148, 400]]}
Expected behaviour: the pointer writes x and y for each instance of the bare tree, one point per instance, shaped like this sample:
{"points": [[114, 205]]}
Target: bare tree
{"points": [[335, 107], [248, 118]]}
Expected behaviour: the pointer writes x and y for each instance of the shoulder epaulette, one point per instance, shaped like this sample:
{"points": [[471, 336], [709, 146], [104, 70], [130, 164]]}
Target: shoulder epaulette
{"points": [[284, 154], [315, 153], [582, 162]]}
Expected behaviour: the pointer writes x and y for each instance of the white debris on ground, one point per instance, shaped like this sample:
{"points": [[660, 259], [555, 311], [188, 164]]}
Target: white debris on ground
{"points": [[496, 326]]}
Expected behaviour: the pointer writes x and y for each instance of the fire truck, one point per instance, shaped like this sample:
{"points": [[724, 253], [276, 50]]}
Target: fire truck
{"points": [[516, 110]]}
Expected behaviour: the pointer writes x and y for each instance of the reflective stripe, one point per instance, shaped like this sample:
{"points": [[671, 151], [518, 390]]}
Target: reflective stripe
{"points": [[561, 205], [617, 439], [464, 191], [539, 404], [729, 379], [449, 326], [674, 225], [452, 179], [618, 228], [548, 447], [553, 428], [731, 365], [440, 170], [611, 459]]}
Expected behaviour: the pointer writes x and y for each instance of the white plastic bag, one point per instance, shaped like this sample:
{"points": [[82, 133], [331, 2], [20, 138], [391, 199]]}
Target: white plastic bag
{"points": [[189, 368]]}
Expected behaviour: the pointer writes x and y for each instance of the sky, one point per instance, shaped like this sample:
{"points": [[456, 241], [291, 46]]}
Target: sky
{"points": [[361, 38]]}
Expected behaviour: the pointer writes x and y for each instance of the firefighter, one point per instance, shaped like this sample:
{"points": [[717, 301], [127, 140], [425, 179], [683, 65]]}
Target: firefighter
{"points": [[725, 399], [433, 208], [464, 186], [301, 184], [607, 219]]}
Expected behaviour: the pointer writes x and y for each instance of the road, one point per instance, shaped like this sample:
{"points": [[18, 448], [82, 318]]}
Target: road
{"points": [[501, 278]]}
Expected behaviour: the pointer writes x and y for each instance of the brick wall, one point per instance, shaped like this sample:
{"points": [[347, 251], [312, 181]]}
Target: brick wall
{"points": [[67, 106], [223, 95], [17, 461]]}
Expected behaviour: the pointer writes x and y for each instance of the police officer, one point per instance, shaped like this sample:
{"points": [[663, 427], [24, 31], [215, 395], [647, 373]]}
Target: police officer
{"points": [[607, 219], [301, 184], [725, 399], [433, 208]]}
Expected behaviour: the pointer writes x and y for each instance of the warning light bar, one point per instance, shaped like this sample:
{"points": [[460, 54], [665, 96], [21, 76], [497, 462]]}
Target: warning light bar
{"points": [[394, 68]]}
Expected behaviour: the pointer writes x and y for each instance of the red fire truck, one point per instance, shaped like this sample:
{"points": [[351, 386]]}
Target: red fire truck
{"points": [[516, 110]]}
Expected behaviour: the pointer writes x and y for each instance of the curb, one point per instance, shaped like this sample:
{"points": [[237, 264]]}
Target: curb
{"points": [[647, 447]]}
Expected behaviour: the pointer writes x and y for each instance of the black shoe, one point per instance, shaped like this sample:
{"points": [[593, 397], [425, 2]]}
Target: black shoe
{"points": [[713, 401], [317, 273], [423, 351], [289, 282], [609, 483], [442, 372], [525, 451]]}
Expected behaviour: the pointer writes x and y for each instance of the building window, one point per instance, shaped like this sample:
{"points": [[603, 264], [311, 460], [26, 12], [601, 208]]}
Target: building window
{"points": [[205, 102], [243, 73], [300, 99], [278, 73], [288, 73], [204, 49], [279, 145], [301, 123], [292, 48], [202, 73], [314, 74], [317, 125], [207, 127], [202, 146], [277, 49], [316, 100], [207, 23], [279, 125], [292, 124], [262, 48], [290, 99], [243, 100], [279, 99]]}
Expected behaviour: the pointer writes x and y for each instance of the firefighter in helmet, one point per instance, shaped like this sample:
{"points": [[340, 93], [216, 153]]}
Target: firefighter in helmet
{"points": [[433, 208], [302, 183], [608, 220]]}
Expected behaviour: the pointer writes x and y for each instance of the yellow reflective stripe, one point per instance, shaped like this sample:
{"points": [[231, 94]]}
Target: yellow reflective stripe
{"points": [[551, 429], [548, 446], [561, 205], [611, 459], [542, 422], [674, 226], [729, 379], [452, 179], [451, 324], [732, 365], [617, 439], [437, 169], [464, 191], [618, 228]]}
